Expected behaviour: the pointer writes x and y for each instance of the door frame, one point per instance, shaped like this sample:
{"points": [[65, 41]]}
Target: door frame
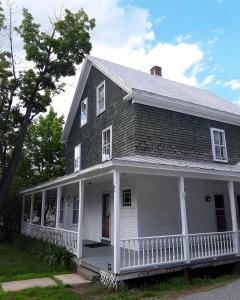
{"points": [[224, 201], [110, 218]]}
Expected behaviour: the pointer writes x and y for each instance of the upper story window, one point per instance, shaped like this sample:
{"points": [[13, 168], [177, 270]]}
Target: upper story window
{"points": [[107, 144], [101, 98], [219, 148], [84, 111], [77, 158]]}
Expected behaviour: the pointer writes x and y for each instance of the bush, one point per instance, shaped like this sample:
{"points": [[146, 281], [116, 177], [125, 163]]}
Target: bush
{"points": [[45, 251]]}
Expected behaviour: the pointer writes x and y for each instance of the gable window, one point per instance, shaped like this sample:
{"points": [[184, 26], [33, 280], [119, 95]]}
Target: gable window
{"points": [[101, 98], [127, 198], [75, 210], [219, 148], [107, 144], [84, 111], [77, 158]]}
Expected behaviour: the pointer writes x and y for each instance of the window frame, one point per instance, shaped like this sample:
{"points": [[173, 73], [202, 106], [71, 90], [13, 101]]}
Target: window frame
{"points": [[76, 169], [213, 145], [83, 124], [122, 195], [61, 211], [97, 98], [105, 130]]}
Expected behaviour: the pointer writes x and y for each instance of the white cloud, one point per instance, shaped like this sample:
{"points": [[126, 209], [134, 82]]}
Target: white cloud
{"points": [[183, 38], [125, 34], [209, 79], [233, 84]]}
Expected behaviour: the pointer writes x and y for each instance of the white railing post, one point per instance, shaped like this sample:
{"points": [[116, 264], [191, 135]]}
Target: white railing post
{"points": [[59, 192], [31, 213], [234, 215], [116, 186], [182, 196], [80, 215], [43, 207]]}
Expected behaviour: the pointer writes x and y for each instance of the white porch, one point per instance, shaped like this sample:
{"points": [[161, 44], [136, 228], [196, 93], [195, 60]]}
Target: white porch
{"points": [[173, 220]]}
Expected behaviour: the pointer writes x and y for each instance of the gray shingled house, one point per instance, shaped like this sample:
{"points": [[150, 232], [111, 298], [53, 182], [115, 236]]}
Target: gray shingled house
{"points": [[152, 178]]}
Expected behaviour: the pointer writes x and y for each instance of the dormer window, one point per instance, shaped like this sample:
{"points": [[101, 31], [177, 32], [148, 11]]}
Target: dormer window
{"points": [[101, 98], [219, 148], [107, 144], [77, 158], [84, 111]]}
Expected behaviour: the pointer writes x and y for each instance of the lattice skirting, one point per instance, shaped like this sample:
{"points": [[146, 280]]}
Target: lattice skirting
{"points": [[109, 280]]}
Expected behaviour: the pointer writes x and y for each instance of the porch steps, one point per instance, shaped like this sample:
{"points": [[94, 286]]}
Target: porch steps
{"points": [[88, 274]]}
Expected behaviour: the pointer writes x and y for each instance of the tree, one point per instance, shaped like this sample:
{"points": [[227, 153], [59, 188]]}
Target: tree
{"points": [[43, 148], [42, 159], [26, 93]]}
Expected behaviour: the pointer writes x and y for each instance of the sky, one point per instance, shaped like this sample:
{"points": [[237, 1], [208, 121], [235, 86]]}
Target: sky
{"points": [[195, 42]]}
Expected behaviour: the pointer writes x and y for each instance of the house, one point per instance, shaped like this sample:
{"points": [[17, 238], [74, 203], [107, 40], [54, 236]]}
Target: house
{"points": [[152, 180]]}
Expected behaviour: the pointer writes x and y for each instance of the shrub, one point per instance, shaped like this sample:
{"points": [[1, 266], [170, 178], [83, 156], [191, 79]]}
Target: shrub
{"points": [[45, 251]]}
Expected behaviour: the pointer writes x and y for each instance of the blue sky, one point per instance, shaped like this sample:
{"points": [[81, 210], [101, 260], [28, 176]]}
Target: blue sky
{"points": [[214, 25], [195, 42]]}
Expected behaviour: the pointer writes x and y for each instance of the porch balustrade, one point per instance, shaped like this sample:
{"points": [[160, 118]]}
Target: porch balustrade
{"points": [[61, 237]]}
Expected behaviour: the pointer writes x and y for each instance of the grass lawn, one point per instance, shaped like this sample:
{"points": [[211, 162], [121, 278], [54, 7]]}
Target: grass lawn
{"points": [[17, 265]]}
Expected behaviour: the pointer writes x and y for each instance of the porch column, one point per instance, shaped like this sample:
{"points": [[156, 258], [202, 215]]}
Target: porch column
{"points": [[23, 212], [116, 230], [43, 207], [181, 190], [31, 212], [234, 215], [80, 217], [59, 192]]}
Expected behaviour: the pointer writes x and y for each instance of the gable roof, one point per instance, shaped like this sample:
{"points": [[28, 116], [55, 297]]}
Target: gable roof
{"points": [[156, 91]]}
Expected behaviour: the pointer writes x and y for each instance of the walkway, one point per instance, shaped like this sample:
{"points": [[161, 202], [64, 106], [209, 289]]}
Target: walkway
{"points": [[66, 279]]}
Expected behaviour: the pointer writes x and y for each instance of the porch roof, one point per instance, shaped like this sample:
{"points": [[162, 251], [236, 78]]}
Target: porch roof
{"points": [[147, 165]]}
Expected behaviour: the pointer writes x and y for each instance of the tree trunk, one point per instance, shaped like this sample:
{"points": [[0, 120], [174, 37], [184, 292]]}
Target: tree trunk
{"points": [[10, 171]]}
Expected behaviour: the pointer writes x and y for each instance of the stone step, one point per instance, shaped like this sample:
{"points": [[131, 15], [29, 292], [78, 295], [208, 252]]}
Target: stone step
{"points": [[88, 274]]}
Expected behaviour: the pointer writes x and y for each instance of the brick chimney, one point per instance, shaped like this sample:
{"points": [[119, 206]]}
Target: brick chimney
{"points": [[156, 71]]}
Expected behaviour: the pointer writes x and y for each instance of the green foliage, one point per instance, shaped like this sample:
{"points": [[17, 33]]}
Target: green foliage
{"points": [[46, 252], [50, 55]]}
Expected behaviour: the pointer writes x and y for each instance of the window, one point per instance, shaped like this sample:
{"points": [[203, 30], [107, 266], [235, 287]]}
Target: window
{"points": [[84, 111], [101, 98], [107, 144], [75, 210], [77, 158], [127, 198], [219, 148], [61, 210]]}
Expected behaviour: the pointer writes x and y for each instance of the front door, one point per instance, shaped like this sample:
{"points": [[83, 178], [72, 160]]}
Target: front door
{"points": [[106, 216], [220, 212]]}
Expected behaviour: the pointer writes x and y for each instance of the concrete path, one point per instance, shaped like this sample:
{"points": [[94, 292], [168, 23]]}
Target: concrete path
{"points": [[26, 284], [72, 279], [228, 292]]}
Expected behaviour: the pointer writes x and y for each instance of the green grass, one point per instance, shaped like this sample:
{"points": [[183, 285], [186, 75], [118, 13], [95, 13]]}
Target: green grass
{"points": [[16, 265]]}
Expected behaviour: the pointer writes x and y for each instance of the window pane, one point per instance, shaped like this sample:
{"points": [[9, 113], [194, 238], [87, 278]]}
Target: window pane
{"points": [[84, 112], [127, 198], [75, 217], [216, 137], [75, 203]]}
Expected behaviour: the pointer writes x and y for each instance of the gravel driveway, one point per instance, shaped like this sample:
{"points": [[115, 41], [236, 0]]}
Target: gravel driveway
{"points": [[228, 292]]}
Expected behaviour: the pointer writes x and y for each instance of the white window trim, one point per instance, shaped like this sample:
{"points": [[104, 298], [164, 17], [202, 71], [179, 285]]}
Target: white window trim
{"points": [[76, 169], [81, 125], [213, 145], [97, 112], [106, 129]]}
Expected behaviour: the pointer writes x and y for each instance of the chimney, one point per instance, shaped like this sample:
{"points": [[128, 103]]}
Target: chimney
{"points": [[156, 71]]}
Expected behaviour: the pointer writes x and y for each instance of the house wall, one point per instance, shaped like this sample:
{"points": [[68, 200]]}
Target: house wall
{"points": [[118, 113], [169, 134], [159, 207]]}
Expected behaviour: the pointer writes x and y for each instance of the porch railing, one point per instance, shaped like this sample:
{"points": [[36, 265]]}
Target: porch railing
{"points": [[61, 237], [207, 245], [150, 251]]}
